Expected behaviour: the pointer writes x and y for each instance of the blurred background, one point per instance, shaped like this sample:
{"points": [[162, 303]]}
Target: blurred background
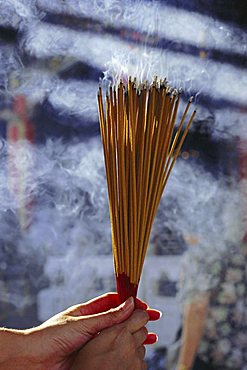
{"points": [[54, 220]]}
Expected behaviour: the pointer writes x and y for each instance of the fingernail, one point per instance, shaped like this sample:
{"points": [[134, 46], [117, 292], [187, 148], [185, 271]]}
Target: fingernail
{"points": [[158, 314], [151, 338], [129, 303], [154, 315]]}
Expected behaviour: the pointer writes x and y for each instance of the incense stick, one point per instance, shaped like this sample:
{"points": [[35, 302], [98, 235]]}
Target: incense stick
{"points": [[141, 144]]}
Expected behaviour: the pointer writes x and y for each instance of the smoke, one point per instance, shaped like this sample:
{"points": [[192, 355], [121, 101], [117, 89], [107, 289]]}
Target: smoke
{"points": [[142, 57], [66, 187], [64, 191], [76, 98], [57, 219], [195, 203], [16, 13], [155, 40], [153, 18]]}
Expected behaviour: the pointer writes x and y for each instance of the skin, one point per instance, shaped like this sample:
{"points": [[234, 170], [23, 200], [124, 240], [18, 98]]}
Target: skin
{"points": [[54, 345], [119, 347]]}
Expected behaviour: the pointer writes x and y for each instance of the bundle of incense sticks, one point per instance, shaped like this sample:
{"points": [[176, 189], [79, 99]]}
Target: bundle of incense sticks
{"points": [[141, 144]]}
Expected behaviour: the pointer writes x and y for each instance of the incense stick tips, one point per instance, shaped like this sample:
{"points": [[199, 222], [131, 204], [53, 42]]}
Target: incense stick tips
{"points": [[155, 78]]}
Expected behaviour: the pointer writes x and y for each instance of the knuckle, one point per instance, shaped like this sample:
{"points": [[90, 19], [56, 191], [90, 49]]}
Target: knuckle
{"points": [[124, 332], [114, 316], [145, 332], [122, 337], [141, 336], [143, 316]]}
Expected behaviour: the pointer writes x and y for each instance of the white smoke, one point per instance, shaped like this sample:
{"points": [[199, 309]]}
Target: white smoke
{"points": [[70, 220], [118, 58], [63, 193], [209, 209]]}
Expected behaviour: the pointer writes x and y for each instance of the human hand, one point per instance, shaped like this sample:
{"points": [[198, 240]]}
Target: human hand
{"points": [[118, 347], [53, 345]]}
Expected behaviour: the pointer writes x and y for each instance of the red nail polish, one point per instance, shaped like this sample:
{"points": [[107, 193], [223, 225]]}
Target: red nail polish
{"points": [[154, 315], [151, 339]]}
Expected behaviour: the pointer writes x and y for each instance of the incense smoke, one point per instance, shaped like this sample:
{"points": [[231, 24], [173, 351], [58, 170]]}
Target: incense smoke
{"points": [[64, 192], [70, 219], [146, 46]]}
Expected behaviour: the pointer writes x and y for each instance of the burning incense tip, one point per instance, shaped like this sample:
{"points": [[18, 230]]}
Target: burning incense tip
{"points": [[141, 143]]}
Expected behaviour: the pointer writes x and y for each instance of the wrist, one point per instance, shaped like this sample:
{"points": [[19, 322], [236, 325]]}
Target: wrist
{"points": [[15, 347]]}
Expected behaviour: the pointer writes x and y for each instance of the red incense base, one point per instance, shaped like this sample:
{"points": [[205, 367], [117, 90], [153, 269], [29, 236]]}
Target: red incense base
{"points": [[125, 288]]}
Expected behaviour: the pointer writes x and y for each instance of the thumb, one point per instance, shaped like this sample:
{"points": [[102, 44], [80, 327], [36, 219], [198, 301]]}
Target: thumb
{"points": [[93, 324]]}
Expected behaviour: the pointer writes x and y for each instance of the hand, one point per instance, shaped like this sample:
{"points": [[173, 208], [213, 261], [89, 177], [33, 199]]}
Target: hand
{"points": [[119, 347], [53, 345]]}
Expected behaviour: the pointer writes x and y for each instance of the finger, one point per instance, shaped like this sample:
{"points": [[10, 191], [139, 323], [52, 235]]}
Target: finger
{"points": [[140, 336], [136, 321], [100, 304], [151, 338], [93, 324], [141, 351], [154, 314]]}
